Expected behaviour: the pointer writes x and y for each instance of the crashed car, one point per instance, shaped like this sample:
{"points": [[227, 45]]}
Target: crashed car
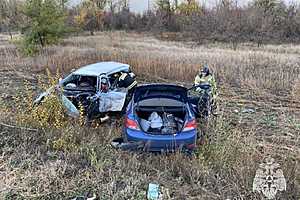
{"points": [[160, 117], [94, 88]]}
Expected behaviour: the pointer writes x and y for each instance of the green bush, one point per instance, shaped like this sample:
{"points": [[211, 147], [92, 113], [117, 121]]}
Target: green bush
{"points": [[46, 25]]}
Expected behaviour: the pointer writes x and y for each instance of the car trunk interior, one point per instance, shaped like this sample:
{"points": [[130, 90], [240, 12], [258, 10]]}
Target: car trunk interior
{"points": [[165, 118]]}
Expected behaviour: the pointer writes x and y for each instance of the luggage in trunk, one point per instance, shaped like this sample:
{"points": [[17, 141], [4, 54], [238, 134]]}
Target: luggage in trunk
{"points": [[161, 122]]}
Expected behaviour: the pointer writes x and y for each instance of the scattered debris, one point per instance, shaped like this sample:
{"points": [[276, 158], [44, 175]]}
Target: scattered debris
{"points": [[119, 143], [245, 110], [85, 197], [153, 192], [248, 110], [104, 119], [18, 127]]}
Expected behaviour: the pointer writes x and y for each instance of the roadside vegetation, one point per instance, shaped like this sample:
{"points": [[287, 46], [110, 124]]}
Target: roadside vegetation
{"points": [[58, 162], [253, 51], [260, 22]]}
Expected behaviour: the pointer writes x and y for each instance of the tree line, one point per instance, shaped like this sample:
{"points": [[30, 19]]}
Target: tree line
{"points": [[44, 22]]}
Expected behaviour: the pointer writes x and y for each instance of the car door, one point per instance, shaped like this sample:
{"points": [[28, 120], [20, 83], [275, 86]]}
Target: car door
{"points": [[70, 108], [111, 101]]}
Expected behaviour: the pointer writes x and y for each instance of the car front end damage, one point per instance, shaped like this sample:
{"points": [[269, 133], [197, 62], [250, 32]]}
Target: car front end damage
{"points": [[85, 90]]}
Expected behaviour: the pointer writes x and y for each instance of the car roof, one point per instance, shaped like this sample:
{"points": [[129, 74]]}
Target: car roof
{"points": [[102, 68]]}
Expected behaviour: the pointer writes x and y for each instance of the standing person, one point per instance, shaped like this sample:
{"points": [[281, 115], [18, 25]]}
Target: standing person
{"points": [[205, 76]]}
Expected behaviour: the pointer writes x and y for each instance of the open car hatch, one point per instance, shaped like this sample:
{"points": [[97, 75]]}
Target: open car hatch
{"points": [[161, 90]]}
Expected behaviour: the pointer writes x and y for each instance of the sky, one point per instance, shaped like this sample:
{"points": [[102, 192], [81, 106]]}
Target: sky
{"points": [[142, 5]]}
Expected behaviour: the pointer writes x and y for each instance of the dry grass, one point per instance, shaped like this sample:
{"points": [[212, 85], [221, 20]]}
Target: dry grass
{"points": [[58, 163], [296, 89], [271, 67]]}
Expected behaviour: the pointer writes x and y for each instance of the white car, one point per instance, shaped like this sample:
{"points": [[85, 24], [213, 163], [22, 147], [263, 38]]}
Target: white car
{"points": [[84, 87]]}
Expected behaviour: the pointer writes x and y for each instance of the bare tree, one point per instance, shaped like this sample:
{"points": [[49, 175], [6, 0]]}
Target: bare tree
{"points": [[100, 4], [260, 21], [10, 15], [166, 11]]}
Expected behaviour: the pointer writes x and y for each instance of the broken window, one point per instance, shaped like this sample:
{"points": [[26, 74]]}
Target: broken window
{"points": [[80, 82]]}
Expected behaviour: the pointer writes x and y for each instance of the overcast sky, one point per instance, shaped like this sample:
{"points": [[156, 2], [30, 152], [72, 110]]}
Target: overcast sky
{"points": [[142, 5]]}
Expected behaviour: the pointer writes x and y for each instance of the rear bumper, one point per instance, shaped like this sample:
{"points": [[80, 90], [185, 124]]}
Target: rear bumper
{"points": [[163, 142]]}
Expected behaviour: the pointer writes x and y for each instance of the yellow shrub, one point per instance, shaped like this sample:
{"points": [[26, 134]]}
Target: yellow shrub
{"points": [[50, 113]]}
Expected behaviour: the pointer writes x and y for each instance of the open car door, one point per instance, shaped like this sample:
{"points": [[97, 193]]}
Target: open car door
{"points": [[70, 108], [112, 101]]}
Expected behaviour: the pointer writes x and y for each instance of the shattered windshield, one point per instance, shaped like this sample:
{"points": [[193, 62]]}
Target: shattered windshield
{"points": [[80, 82]]}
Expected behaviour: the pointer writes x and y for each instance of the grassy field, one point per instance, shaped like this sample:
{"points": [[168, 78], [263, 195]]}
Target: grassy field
{"points": [[47, 162]]}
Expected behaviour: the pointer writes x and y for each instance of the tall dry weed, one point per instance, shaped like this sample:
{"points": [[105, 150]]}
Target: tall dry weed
{"points": [[296, 89], [274, 70], [50, 113], [66, 160]]}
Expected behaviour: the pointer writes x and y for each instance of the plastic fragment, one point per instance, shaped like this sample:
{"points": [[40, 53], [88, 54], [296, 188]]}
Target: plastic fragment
{"points": [[153, 191]]}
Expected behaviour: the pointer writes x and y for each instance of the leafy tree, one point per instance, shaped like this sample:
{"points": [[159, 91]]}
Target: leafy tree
{"points": [[3, 15], [46, 24], [165, 5], [266, 5], [100, 4], [189, 7]]}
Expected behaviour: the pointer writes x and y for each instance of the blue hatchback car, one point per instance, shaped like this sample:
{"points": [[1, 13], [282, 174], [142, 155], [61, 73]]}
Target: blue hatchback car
{"points": [[161, 118]]}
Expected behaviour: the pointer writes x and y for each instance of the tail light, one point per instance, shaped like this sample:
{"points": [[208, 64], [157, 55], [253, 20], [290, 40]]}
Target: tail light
{"points": [[191, 125], [132, 124]]}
